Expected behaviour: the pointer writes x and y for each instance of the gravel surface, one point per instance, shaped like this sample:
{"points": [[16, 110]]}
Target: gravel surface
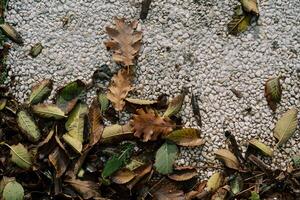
{"points": [[185, 44]]}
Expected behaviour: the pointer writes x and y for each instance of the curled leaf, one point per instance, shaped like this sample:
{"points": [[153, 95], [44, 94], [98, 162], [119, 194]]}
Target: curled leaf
{"points": [[273, 92], [48, 111], [20, 156], [183, 173], [40, 91], [122, 176], [264, 149], [215, 182], [174, 106], [28, 126], [165, 157], [140, 101], [140, 173], [13, 191], [286, 126], [60, 160], [228, 158], [87, 189], [36, 50], [186, 137]]}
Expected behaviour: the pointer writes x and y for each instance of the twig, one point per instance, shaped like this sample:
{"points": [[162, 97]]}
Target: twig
{"points": [[196, 110], [235, 146], [145, 9], [260, 164]]}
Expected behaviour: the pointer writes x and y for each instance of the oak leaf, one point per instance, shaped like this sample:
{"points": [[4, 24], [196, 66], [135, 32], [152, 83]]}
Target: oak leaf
{"points": [[119, 88], [149, 125], [125, 41]]}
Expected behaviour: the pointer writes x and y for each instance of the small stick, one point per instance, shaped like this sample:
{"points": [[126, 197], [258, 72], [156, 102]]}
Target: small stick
{"points": [[235, 146], [196, 110], [145, 9]]}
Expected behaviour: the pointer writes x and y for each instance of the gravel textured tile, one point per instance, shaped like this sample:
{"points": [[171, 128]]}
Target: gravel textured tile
{"points": [[185, 44]]}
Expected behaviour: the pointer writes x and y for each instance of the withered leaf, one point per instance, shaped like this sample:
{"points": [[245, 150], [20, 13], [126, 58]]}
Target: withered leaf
{"points": [[188, 137], [250, 6], [48, 111], [264, 149], [140, 173], [125, 41], [140, 101], [286, 126], [119, 87], [221, 193], [116, 130], [11, 32], [96, 124], [273, 92], [228, 158], [183, 173], [87, 189], [149, 125], [215, 182], [174, 105], [122, 176], [60, 160], [239, 24], [167, 190], [40, 91]]}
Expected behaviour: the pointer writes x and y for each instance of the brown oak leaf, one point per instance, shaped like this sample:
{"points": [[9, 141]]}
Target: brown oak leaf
{"points": [[149, 125], [125, 41], [119, 88]]}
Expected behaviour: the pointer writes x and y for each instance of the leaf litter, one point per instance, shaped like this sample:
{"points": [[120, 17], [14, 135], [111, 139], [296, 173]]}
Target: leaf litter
{"points": [[68, 146]]}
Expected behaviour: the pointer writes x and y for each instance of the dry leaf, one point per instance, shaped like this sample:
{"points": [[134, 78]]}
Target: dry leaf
{"points": [[140, 101], [221, 193], [140, 173], [188, 137], [215, 181], [87, 189], [250, 6], [264, 149], [228, 158], [174, 105], [96, 124], [122, 176], [149, 125], [273, 92], [183, 173], [125, 41], [286, 126], [167, 190], [60, 160], [116, 130], [119, 88]]}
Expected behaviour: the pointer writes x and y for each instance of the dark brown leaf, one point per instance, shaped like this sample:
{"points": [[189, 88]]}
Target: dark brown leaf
{"points": [[87, 189], [167, 190], [196, 110], [123, 176], [145, 9], [60, 160], [183, 173]]}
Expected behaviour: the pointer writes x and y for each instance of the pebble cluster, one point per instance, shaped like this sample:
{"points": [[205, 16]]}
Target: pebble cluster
{"points": [[185, 44]]}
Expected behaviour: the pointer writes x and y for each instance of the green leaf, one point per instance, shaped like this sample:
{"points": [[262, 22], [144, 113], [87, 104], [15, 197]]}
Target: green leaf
{"points": [[13, 191], [20, 156], [174, 106], [186, 137], [215, 181], [3, 103], [67, 96], [264, 149], [273, 92], [296, 160], [236, 184], [75, 127], [104, 102], [286, 126], [165, 157], [117, 161], [48, 111], [36, 50], [40, 91], [254, 196], [28, 126], [239, 24]]}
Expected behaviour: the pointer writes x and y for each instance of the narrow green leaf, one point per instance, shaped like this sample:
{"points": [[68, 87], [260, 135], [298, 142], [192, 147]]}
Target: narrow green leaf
{"points": [[13, 191], [174, 106], [165, 157], [48, 111], [20, 156], [28, 126], [40, 91]]}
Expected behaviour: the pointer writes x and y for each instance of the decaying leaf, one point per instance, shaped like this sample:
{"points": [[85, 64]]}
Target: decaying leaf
{"points": [[122, 176], [125, 41], [11, 33], [75, 127], [119, 87], [36, 50], [174, 105], [183, 173], [48, 111], [273, 92], [264, 149], [20, 156], [165, 157], [236, 184], [215, 182], [60, 160], [140, 173], [188, 137], [221, 193], [250, 6], [104, 102], [239, 24], [116, 130], [228, 158], [40, 91], [140, 101], [286, 126], [96, 124], [28, 126], [149, 125], [13, 191], [67, 96], [167, 190], [87, 189]]}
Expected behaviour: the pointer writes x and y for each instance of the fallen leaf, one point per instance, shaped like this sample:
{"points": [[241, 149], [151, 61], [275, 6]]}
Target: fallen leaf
{"points": [[286, 126], [183, 173], [40, 91], [221, 193], [134, 164], [20, 156], [237, 93], [119, 87], [236, 184], [67, 96], [104, 102], [149, 125], [239, 24], [60, 160], [11, 33], [140, 101], [273, 92], [4, 181], [28, 126], [87, 189], [145, 9], [228, 158], [174, 105], [48, 111], [215, 182], [264, 149], [116, 130], [254, 196], [188, 137], [3, 102], [75, 127], [13, 191], [165, 157], [196, 110], [96, 123], [122, 176], [167, 190], [250, 6], [140, 173], [36, 50], [125, 41]]}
